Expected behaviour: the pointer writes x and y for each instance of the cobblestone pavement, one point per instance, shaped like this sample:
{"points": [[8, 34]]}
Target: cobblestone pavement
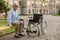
{"points": [[52, 33]]}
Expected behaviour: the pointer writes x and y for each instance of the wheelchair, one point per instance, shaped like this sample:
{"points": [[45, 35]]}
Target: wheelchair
{"points": [[37, 22]]}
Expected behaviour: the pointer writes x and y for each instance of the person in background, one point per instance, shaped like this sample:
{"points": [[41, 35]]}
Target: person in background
{"points": [[13, 20]]}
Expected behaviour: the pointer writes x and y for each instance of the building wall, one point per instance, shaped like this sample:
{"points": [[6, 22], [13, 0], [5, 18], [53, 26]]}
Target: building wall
{"points": [[37, 6]]}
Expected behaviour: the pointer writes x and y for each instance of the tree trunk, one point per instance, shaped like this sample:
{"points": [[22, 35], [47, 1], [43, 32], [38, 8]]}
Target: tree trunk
{"points": [[5, 15]]}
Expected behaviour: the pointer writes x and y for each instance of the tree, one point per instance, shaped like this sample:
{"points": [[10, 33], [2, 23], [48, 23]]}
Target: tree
{"points": [[3, 6]]}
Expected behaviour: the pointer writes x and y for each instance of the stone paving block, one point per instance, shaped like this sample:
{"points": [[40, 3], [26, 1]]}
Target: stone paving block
{"points": [[53, 31]]}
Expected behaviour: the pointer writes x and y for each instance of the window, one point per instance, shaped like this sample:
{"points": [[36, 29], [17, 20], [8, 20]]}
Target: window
{"points": [[33, 3], [23, 11], [40, 10], [54, 6], [32, 10], [29, 11], [54, 11], [20, 3], [50, 6]]}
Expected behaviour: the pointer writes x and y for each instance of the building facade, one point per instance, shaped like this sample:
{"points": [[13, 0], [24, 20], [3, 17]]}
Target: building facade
{"points": [[37, 6]]}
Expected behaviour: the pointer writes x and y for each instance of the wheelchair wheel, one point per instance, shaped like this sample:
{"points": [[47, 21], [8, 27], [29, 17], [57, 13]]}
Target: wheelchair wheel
{"points": [[38, 30], [38, 33], [43, 27], [27, 32]]}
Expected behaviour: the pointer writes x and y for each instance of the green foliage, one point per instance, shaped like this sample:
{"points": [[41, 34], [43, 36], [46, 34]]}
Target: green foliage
{"points": [[3, 6], [55, 14]]}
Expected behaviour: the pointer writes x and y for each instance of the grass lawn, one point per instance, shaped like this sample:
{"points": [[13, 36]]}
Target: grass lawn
{"points": [[3, 22], [4, 31], [55, 14]]}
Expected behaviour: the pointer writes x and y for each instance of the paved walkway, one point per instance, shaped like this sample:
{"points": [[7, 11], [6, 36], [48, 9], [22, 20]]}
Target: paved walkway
{"points": [[52, 33]]}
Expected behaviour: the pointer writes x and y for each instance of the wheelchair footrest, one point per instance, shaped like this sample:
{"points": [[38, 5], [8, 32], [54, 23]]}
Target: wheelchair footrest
{"points": [[31, 31]]}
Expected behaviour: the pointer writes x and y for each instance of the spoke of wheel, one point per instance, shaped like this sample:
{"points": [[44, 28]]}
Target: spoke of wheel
{"points": [[42, 26]]}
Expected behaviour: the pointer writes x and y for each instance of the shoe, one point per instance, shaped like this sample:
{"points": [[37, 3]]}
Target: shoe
{"points": [[17, 36], [21, 35], [34, 31]]}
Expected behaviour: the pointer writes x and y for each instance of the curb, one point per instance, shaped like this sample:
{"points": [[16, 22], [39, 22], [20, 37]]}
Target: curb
{"points": [[7, 33]]}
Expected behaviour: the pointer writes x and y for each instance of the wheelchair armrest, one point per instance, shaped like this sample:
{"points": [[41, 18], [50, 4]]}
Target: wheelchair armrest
{"points": [[21, 20], [30, 17]]}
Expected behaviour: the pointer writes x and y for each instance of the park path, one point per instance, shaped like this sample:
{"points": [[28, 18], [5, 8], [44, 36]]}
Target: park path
{"points": [[52, 33]]}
